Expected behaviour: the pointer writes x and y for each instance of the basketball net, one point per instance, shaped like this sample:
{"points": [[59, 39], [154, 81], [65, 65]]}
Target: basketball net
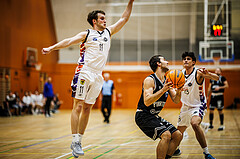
{"points": [[38, 66], [216, 60]]}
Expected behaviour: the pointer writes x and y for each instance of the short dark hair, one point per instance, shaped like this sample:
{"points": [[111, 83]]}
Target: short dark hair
{"points": [[94, 15], [153, 62], [190, 54]]}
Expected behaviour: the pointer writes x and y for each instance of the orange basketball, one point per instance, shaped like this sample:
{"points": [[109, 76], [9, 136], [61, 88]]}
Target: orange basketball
{"points": [[176, 77]]}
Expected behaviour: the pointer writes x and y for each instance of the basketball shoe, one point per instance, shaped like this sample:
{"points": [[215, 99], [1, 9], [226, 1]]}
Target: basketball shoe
{"points": [[210, 127], [208, 156], [77, 149], [177, 152], [221, 128]]}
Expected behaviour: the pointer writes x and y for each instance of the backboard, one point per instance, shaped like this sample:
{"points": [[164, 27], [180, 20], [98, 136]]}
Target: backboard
{"points": [[30, 57], [208, 50]]}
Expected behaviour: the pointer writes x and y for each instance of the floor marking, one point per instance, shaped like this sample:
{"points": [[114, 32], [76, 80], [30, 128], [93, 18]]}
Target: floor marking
{"points": [[28, 153], [11, 144], [17, 148], [94, 128], [212, 145], [95, 147], [71, 152], [127, 154], [112, 149], [45, 141], [90, 149], [132, 132]]}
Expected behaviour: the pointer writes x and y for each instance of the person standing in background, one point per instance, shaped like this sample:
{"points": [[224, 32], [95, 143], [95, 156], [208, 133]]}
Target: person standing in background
{"points": [[48, 96], [108, 93], [217, 99]]}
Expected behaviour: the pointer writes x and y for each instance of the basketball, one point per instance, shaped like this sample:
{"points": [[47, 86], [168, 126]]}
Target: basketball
{"points": [[176, 77]]}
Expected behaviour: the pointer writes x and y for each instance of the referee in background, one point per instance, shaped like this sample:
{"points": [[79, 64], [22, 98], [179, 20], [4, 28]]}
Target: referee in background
{"points": [[108, 93]]}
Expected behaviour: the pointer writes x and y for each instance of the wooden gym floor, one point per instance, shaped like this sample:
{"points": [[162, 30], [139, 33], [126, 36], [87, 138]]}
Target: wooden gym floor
{"points": [[37, 137]]}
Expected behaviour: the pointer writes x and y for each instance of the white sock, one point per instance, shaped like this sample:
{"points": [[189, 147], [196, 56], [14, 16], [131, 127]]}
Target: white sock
{"points": [[206, 150], [80, 137], [75, 138]]}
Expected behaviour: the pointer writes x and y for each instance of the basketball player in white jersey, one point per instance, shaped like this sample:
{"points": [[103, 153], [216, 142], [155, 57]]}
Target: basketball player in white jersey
{"points": [[89, 81], [194, 100]]}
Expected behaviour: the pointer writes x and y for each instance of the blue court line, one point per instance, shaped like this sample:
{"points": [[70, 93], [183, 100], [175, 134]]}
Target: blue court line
{"points": [[44, 141]]}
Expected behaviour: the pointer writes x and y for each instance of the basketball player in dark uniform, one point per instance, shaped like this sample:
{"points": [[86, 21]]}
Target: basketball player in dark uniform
{"points": [[154, 95], [217, 99]]}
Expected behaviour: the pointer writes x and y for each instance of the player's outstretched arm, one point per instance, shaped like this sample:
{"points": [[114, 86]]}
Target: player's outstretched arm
{"points": [[123, 20], [65, 43], [202, 72]]}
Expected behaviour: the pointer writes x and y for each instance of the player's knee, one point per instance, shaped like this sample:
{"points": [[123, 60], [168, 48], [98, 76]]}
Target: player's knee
{"points": [[77, 106], [77, 109], [166, 136], [195, 125], [177, 135], [87, 108], [220, 111]]}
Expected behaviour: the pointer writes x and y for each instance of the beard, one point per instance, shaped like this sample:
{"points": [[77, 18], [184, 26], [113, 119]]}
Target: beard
{"points": [[165, 69]]}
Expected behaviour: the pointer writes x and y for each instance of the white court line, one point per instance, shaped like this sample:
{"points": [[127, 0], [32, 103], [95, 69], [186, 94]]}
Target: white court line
{"points": [[111, 145], [71, 152]]}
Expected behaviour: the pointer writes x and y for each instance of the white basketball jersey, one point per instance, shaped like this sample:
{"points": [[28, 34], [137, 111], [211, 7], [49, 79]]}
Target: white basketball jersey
{"points": [[194, 95], [97, 48]]}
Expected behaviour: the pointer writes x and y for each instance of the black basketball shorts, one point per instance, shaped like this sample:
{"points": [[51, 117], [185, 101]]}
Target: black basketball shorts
{"points": [[153, 125], [217, 102]]}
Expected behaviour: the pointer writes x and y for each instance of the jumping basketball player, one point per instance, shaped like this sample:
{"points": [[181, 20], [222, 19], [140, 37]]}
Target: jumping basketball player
{"points": [[90, 80], [154, 95], [193, 99], [217, 99]]}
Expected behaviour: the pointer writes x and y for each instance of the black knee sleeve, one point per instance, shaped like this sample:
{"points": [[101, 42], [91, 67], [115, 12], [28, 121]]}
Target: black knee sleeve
{"points": [[221, 116], [211, 118]]}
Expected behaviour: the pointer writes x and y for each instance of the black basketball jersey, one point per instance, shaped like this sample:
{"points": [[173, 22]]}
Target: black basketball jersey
{"points": [[218, 83], [157, 106]]}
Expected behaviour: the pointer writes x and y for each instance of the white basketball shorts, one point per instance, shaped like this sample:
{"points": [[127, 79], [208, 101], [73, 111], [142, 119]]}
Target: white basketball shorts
{"points": [[87, 85], [187, 113]]}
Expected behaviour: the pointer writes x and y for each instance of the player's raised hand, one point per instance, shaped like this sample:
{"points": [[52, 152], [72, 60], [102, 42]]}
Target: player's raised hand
{"points": [[46, 51], [203, 71], [206, 74]]}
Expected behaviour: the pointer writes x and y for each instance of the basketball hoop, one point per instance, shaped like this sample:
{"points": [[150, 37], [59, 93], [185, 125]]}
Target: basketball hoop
{"points": [[216, 60], [38, 66]]}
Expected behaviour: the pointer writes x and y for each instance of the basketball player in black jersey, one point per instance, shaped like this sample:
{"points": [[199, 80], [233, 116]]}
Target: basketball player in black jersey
{"points": [[217, 100], [154, 95]]}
